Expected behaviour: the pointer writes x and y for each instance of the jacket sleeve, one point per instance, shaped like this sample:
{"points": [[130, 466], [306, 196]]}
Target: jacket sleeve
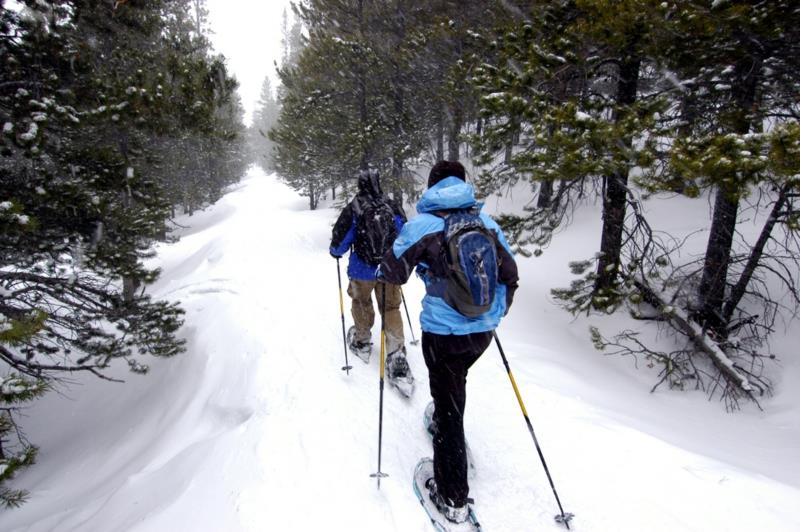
{"points": [[399, 222], [507, 269], [343, 233], [396, 269], [508, 274]]}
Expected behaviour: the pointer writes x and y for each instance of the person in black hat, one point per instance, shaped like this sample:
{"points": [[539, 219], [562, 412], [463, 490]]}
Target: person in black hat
{"points": [[367, 227]]}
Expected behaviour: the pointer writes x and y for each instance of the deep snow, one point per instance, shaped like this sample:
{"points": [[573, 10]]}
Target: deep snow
{"points": [[257, 428]]}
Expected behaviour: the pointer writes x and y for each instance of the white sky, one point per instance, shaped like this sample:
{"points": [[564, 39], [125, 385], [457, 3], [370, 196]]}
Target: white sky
{"points": [[248, 34]]}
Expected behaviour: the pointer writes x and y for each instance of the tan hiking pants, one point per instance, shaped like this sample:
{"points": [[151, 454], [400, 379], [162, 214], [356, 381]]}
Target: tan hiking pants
{"points": [[364, 314]]}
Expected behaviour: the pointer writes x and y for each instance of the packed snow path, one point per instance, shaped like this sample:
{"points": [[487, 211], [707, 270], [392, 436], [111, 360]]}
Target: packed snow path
{"points": [[257, 428]]}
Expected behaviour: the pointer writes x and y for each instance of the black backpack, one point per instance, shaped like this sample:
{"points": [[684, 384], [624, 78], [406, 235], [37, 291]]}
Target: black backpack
{"points": [[470, 250], [375, 231]]}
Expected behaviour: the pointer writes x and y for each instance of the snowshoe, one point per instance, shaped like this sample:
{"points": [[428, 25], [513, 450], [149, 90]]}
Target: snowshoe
{"points": [[423, 481], [360, 349], [398, 372], [430, 428], [454, 514]]}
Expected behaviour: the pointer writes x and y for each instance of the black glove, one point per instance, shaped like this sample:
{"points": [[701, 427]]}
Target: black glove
{"points": [[335, 256]]}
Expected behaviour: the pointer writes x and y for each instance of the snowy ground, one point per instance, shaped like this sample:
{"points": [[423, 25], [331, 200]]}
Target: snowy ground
{"points": [[256, 427]]}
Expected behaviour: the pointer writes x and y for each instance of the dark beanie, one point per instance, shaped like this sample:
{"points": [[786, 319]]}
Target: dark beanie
{"points": [[444, 169]]}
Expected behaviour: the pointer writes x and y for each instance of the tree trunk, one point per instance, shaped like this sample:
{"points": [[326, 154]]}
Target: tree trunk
{"points": [[699, 339], [545, 194], [711, 292], [397, 175], [614, 207], [129, 284], [755, 256], [563, 190], [453, 137], [129, 287], [312, 197], [715, 268], [616, 187], [440, 135]]}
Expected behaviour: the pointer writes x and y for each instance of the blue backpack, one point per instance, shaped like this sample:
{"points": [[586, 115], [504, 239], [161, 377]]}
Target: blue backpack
{"points": [[470, 250]]}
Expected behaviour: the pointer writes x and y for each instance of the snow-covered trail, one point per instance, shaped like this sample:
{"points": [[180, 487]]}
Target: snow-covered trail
{"points": [[306, 450], [257, 428]]}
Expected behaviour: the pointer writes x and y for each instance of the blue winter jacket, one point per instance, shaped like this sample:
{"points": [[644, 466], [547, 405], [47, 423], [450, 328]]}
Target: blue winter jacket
{"points": [[420, 244]]}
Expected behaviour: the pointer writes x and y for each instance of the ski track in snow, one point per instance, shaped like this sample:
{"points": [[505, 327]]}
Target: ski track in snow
{"points": [[256, 427]]}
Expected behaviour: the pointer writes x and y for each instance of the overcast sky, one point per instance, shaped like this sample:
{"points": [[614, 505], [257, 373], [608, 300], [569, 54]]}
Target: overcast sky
{"points": [[248, 34]]}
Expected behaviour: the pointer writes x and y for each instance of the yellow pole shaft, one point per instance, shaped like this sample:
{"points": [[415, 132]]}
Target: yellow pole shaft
{"points": [[516, 391], [347, 366], [563, 517]]}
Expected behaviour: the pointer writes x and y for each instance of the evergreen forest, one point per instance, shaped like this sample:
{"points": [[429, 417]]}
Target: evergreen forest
{"points": [[118, 116], [575, 103], [115, 116]]}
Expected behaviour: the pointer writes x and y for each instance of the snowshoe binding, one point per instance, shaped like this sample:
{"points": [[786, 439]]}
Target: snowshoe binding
{"points": [[454, 514], [398, 372], [444, 518], [360, 349]]}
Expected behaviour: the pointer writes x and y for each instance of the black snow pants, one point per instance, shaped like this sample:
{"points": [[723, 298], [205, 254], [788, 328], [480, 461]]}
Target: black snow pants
{"points": [[448, 358]]}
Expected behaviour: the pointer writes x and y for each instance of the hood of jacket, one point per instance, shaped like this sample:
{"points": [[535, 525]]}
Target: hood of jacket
{"points": [[369, 184], [369, 189], [449, 193]]}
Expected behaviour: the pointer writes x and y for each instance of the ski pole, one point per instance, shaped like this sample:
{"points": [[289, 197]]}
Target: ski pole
{"points": [[563, 517], [414, 341], [379, 474], [347, 367]]}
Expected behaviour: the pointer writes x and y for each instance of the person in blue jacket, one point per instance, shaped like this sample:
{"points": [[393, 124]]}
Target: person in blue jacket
{"points": [[362, 276], [451, 341]]}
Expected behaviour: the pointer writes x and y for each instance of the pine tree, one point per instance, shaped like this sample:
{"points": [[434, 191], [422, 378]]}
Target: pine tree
{"points": [[740, 63], [313, 134], [265, 117], [375, 82], [100, 103], [532, 128], [16, 451], [568, 102], [332, 119]]}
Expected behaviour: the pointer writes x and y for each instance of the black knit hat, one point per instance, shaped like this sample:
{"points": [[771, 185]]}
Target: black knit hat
{"points": [[444, 169]]}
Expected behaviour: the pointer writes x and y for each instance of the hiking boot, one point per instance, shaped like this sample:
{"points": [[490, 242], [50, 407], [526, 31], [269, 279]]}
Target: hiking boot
{"points": [[399, 373], [454, 514], [355, 345], [397, 366]]}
